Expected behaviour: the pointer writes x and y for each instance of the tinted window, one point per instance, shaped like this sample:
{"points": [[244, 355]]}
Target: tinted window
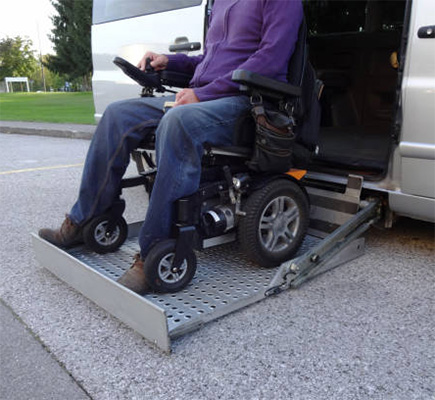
{"points": [[111, 10]]}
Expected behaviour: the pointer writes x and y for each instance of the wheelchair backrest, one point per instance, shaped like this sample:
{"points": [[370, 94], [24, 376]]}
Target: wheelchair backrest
{"points": [[307, 107], [299, 57]]}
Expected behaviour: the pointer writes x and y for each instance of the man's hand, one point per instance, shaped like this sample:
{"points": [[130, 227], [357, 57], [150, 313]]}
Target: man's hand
{"points": [[158, 61], [185, 96]]}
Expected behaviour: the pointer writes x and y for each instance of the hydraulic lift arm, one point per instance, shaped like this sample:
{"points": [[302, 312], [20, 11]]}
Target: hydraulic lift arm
{"points": [[322, 257]]}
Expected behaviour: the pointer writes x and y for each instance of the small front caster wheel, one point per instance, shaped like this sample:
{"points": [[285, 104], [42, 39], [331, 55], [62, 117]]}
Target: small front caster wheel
{"points": [[160, 275], [103, 235]]}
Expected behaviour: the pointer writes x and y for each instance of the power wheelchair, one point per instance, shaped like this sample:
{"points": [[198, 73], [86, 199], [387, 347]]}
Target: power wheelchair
{"points": [[261, 205]]}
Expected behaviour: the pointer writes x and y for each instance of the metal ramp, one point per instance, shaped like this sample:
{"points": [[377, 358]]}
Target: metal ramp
{"points": [[225, 280]]}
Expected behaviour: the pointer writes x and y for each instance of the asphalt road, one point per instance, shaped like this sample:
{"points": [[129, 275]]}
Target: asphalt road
{"points": [[362, 331]]}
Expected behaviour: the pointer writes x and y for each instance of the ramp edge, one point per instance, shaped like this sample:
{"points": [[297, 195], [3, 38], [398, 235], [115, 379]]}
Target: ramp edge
{"points": [[132, 309]]}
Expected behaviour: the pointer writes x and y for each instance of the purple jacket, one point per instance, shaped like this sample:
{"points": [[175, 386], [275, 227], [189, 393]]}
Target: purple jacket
{"points": [[256, 35]]}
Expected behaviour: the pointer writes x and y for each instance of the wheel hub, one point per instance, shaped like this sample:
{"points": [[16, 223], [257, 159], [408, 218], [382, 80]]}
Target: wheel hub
{"points": [[169, 273], [104, 236], [279, 223]]}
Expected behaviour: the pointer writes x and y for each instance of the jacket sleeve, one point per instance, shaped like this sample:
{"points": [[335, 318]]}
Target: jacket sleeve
{"points": [[183, 63], [281, 21]]}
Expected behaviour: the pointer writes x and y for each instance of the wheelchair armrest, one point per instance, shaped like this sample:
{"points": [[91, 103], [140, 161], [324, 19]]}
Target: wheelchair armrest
{"points": [[265, 85], [175, 79]]}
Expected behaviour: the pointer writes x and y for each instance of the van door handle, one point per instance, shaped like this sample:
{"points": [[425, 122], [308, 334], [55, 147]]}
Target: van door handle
{"points": [[426, 32], [188, 46]]}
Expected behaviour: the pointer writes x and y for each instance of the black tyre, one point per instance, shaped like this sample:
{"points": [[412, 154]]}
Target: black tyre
{"points": [[160, 275], [276, 221], [98, 238]]}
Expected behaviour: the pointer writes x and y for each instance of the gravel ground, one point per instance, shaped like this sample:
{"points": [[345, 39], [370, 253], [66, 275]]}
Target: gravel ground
{"points": [[362, 331]]}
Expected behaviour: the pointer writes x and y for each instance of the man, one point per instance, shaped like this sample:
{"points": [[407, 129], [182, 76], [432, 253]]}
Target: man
{"points": [[256, 35]]}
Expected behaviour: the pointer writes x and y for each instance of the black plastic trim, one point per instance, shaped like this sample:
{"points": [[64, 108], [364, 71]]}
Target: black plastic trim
{"points": [[188, 46], [260, 82], [426, 32]]}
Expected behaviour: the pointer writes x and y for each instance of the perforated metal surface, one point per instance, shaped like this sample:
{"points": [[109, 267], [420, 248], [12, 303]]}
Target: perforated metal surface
{"points": [[225, 281]]}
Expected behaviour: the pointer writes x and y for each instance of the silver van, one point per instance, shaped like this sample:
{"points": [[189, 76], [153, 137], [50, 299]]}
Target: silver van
{"points": [[375, 57]]}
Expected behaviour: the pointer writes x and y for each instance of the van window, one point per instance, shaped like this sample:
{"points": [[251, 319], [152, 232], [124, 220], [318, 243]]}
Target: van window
{"points": [[111, 10]]}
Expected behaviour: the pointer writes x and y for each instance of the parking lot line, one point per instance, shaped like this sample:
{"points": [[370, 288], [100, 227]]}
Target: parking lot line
{"points": [[18, 171]]}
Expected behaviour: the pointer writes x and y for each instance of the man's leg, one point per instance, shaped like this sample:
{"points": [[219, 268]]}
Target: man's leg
{"points": [[120, 131], [180, 139]]}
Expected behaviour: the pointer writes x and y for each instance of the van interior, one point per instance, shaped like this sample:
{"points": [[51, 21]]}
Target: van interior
{"points": [[356, 50]]}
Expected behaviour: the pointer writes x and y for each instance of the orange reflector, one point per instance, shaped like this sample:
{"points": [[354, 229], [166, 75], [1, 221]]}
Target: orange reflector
{"points": [[297, 173]]}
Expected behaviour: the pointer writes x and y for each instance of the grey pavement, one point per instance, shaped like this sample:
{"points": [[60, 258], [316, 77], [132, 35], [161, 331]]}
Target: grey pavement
{"points": [[362, 331], [27, 370], [76, 131]]}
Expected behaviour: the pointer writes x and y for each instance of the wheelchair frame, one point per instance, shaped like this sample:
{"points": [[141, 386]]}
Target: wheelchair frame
{"points": [[170, 267], [210, 216]]}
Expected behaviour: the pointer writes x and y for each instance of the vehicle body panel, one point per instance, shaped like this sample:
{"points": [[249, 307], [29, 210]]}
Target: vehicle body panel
{"points": [[415, 159], [130, 39]]}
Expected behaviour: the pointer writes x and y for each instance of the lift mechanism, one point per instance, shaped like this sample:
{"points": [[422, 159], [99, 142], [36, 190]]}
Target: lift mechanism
{"points": [[225, 281]]}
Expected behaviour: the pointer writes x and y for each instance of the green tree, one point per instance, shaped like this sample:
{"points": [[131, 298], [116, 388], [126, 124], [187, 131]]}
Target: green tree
{"points": [[71, 38], [17, 57], [53, 81]]}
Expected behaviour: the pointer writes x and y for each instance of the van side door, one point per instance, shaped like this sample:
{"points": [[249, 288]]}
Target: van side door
{"points": [[417, 144]]}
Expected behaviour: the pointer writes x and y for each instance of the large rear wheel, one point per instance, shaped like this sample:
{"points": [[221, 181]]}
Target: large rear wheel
{"points": [[275, 223]]}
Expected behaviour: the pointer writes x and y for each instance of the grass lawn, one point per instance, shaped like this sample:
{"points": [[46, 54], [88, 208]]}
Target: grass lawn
{"points": [[75, 108]]}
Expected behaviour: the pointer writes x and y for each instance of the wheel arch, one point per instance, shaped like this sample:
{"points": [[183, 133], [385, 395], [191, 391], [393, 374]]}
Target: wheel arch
{"points": [[265, 179]]}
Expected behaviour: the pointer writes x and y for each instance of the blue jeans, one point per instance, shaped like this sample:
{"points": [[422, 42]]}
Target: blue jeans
{"points": [[180, 136]]}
